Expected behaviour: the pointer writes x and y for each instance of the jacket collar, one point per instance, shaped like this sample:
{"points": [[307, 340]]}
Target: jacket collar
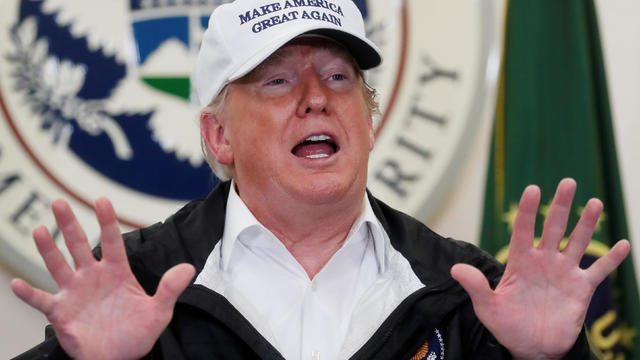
{"points": [[199, 225], [431, 256]]}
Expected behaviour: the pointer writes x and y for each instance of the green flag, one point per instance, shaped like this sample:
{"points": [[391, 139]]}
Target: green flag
{"points": [[553, 121]]}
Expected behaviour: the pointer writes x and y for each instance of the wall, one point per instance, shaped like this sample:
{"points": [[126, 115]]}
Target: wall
{"points": [[460, 215]]}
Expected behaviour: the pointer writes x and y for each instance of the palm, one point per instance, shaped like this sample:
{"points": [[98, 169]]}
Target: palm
{"points": [[101, 298], [539, 306], [551, 300], [100, 310]]}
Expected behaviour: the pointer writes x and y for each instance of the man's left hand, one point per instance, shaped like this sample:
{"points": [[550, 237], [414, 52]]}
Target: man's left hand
{"points": [[538, 308]]}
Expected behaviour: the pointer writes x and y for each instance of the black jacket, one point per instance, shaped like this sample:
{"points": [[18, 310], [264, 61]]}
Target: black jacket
{"points": [[436, 320]]}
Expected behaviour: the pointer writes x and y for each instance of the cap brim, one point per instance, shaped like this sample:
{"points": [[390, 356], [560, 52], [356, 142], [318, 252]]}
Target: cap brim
{"points": [[365, 52]]}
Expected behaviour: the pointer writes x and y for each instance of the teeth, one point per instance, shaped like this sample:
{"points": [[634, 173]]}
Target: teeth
{"points": [[317, 156], [318, 138]]}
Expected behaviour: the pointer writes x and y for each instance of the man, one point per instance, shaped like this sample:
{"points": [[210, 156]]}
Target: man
{"points": [[293, 258]]}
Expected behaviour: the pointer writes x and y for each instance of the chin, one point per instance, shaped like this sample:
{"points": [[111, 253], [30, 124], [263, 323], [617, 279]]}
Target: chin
{"points": [[325, 191]]}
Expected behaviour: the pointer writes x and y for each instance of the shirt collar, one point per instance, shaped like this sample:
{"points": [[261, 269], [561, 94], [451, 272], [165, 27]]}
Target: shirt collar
{"points": [[378, 234], [239, 219]]}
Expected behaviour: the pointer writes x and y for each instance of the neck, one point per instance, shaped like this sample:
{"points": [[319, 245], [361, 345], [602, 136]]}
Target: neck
{"points": [[311, 232]]}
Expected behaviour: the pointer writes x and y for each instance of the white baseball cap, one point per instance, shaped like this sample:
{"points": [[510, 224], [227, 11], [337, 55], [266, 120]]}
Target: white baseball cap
{"points": [[244, 33]]}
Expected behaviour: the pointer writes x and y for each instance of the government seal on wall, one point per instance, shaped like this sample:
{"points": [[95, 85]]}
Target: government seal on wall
{"points": [[96, 100]]}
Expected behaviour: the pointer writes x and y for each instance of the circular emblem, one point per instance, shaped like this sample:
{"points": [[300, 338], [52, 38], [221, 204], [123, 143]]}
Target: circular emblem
{"points": [[95, 100], [432, 349]]}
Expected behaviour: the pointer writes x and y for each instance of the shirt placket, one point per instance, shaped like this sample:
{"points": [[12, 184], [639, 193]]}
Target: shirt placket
{"points": [[311, 323]]}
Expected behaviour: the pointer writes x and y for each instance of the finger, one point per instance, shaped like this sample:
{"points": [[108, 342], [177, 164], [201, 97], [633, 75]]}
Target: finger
{"points": [[581, 235], [53, 259], [36, 298], [474, 283], [172, 284], [74, 235], [599, 270], [555, 225], [110, 237], [525, 222]]}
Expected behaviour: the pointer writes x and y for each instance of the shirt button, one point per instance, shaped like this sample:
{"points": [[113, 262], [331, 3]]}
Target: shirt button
{"points": [[315, 355], [314, 286]]}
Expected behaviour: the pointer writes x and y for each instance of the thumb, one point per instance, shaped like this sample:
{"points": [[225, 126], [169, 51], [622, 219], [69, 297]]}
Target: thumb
{"points": [[172, 284], [474, 283]]}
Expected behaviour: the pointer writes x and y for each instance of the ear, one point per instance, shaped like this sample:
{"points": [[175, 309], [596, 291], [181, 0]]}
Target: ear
{"points": [[212, 128]]}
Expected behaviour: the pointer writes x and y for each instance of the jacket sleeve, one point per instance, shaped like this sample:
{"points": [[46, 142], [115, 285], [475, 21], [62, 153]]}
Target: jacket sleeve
{"points": [[581, 349], [48, 349]]}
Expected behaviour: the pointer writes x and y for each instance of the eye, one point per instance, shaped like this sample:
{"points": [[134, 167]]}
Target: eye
{"points": [[340, 80], [276, 82]]}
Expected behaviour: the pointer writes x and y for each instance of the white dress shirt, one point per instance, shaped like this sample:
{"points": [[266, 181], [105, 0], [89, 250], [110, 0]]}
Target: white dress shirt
{"points": [[327, 317]]}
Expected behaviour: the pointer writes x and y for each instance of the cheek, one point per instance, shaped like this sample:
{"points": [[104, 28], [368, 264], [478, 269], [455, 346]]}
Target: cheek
{"points": [[256, 140], [364, 125], [272, 125]]}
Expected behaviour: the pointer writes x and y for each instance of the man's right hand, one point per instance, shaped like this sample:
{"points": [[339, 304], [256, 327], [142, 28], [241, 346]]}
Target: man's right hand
{"points": [[100, 310]]}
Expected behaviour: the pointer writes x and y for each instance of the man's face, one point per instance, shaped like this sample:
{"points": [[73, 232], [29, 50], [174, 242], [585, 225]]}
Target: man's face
{"points": [[298, 125]]}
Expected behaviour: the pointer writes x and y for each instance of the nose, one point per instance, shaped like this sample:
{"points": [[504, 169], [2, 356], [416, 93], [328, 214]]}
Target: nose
{"points": [[313, 99]]}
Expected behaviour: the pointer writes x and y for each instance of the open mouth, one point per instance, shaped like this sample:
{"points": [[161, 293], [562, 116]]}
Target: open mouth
{"points": [[316, 147]]}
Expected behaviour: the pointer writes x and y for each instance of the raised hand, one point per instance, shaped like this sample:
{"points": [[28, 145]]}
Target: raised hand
{"points": [[100, 310], [538, 308]]}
